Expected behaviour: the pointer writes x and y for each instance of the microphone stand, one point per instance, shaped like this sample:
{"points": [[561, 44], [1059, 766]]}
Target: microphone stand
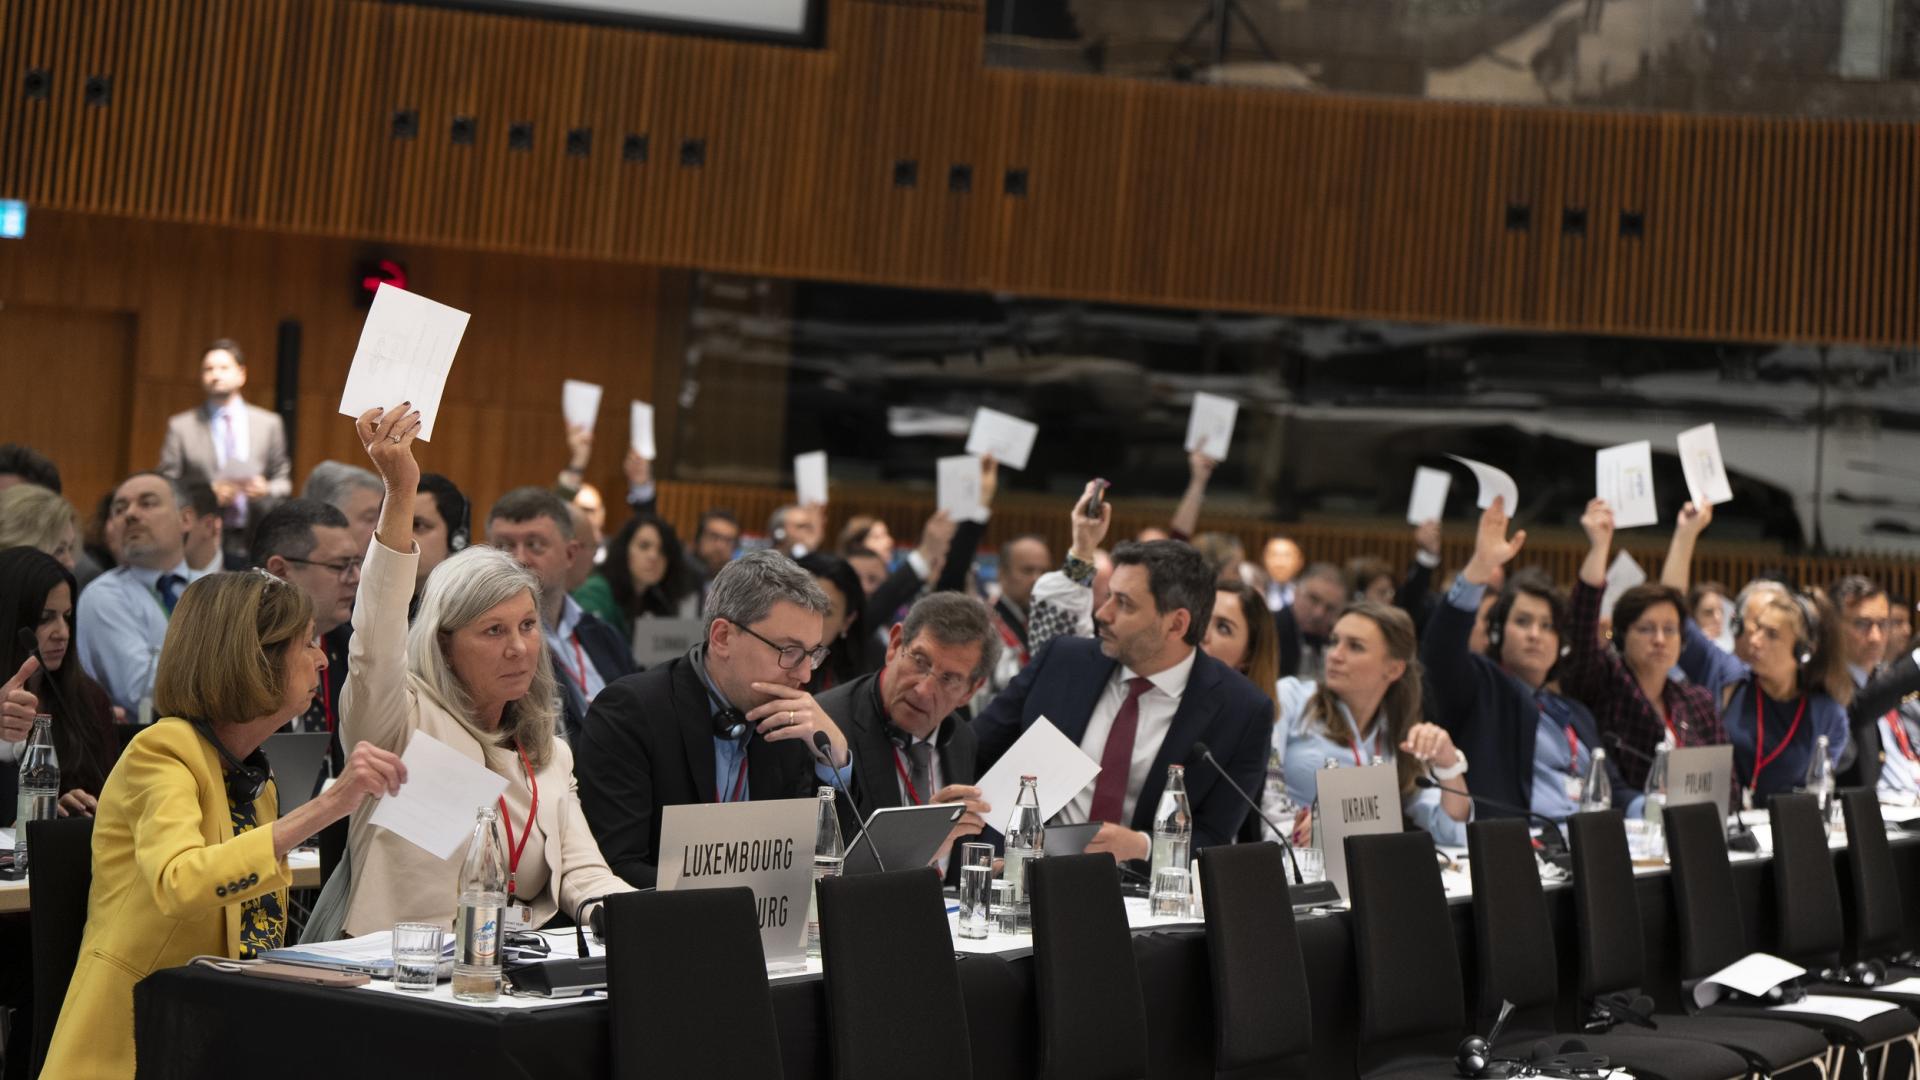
{"points": [[825, 746], [1553, 842], [1302, 893]]}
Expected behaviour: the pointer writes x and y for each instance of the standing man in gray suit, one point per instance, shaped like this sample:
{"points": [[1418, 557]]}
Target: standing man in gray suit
{"points": [[240, 449]]}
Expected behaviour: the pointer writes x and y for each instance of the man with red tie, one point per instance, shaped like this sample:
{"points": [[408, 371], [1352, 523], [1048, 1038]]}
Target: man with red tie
{"points": [[1137, 698]]}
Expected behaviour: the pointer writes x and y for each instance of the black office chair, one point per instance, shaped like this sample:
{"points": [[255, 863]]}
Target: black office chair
{"points": [[1261, 1011], [1093, 1017], [1412, 1007], [1878, 909], [893, 988], [1613, 962], [61, 873], [1806, 891], [1712, 936], [687, 986], [1514, 935]]}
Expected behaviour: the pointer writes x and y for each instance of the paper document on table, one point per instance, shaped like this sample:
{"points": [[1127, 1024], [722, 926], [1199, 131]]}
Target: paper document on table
{"points": [[1753, 975], [1062, 767], [1704, 467], [958, 483], [810, 478], [371, 953], [580, 403], [640, 425], [1008, 438], [1493, 482], [435, 807], [1210, 424], [1623, 475], [1908, 987], [406, 350], [1624, 574], [1429, 501], [1856, 1009]]}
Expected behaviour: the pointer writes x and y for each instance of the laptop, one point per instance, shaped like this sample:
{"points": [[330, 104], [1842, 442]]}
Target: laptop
{"points": [[299, 761], [900, 837]]}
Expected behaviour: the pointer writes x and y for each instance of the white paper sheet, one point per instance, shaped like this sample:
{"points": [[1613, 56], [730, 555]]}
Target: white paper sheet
{"points": [[1493, 482], [958, 483], [1753, 974], [1855, 1009], [1429, 501], [640, 428], [580, 402], [810, 478], [1705, 469], [1008, 438], [435, 807], [1624, 574], [1210, 424], [1909, 987], [1623, 475], [405, 352], [1062, 767]]}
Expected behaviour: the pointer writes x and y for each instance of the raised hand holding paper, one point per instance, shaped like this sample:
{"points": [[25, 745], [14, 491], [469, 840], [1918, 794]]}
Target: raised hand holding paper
{"points": [[1704, 468], [1623, 475], [1493, 483], [580, 402], [405, 352], [1210, 424], [1624, 574], [810, 478], [640, 424], [1429, 501], [958, 480], [1008, 438]]}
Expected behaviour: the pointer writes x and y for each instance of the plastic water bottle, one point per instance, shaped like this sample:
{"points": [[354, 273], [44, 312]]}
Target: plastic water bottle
{"points": [[1172, 825], [39, 786], [1026, 839], [829, 856], [483, 903], [1655, 808], [1819, 782], [1597, 792]]}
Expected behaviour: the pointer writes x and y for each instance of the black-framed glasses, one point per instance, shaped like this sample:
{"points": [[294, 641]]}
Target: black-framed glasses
{"points": [[790, 655], [343, 570]]}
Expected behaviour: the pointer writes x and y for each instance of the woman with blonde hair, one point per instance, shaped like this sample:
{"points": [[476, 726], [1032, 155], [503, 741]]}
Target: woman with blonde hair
{"points": [[32, 516], [473, 673], [189, 851]]}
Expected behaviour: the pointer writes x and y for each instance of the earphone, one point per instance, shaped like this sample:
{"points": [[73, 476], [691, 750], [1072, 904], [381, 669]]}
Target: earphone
{"points": [[460, 533], [245, 779], [1809, 617], [728, 722], [1860, 973]]}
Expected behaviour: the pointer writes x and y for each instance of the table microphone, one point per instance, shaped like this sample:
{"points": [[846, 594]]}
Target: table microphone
{"points": [[580, 927], [1300, 893], [1552, 841], [825, 746]]}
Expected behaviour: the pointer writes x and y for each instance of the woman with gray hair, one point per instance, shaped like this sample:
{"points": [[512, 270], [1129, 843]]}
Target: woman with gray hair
{"points": [[472, 673]]}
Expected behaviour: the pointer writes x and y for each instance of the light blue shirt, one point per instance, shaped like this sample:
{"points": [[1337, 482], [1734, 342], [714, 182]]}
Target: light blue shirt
{"points": [[1551, 770], [1304, 751], [729, 754], [575, 665], [119, 629]]}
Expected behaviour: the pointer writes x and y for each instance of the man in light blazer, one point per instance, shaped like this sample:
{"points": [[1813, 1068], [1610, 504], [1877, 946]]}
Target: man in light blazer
{"points": [[240, 449]]}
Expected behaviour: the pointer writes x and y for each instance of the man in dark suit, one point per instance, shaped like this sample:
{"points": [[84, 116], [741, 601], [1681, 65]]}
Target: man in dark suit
{"points": [[729, 721], [1304, 625], [1137, 698], [910, 747], [535, 527], [240, 449]]}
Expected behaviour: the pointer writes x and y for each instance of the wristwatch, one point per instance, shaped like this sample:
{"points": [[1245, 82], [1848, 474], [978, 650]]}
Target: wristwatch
{"points": [[1459, 767]]}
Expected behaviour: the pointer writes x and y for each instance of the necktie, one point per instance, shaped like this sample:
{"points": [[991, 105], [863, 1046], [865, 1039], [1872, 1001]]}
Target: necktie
{"points": [[169, 587], [1116, 761], [236, 512], [920, 769]]}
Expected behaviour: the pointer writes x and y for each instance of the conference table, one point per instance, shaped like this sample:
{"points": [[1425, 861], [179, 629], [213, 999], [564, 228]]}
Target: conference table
{"points": [[196, 1022]]}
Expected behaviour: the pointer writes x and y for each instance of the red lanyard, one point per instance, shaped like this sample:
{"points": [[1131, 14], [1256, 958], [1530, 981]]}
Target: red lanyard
{"points": [[1573, 753], [506, 822], [740, 780], [900, 767], [579, 658], [326, 698], [1673, 733], [1761, 759], [1900, 733]]}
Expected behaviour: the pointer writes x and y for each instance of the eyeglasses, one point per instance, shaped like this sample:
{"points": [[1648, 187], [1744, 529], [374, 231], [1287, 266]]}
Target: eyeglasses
{"points": [[790, 655], [344, 570], [950, 685], [1868, 626]]}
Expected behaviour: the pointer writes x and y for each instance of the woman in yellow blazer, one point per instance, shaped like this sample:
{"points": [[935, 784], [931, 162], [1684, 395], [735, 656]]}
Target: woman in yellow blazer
{"points": [[189, 854]]}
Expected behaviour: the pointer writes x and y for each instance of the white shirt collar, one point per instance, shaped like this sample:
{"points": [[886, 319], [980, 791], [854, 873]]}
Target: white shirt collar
{"points": [[1171, 682], [570, 613], [151, 578]]}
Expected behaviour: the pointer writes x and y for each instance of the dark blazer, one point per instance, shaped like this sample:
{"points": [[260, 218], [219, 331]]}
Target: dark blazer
{"points": [[647, 743], [875, 783], [1289, 630], [609, 654], [1882, 694], [1220, 708], [903, 584]]}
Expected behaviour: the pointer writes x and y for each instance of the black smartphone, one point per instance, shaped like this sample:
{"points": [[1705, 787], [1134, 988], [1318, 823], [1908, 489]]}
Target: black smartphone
{"points": [[1099, 496]]}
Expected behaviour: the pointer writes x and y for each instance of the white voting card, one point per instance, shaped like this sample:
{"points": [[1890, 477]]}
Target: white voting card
{"points": [[640, 425], [1041, 751], [1429, 501], [1493, 483], [1624, 574], [1851, 1008], [435, 807], [810, 477], [580, 403], [1705, 469], [1008, 438], [1753, 975], [1623, 475], [958, 480], [405, 352], [1210, 424]]}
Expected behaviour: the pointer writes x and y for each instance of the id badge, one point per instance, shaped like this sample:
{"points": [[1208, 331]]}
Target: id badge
{"points": [[517, 919], [1576, 788]]}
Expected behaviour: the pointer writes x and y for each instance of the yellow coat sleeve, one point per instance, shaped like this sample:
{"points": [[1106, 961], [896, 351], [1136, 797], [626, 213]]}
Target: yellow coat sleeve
{"points": [[187, 875]]}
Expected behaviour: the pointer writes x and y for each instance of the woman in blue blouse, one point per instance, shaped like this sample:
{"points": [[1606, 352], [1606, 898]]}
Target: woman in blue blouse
{"points": [[1787, 681], [1368, 709]]}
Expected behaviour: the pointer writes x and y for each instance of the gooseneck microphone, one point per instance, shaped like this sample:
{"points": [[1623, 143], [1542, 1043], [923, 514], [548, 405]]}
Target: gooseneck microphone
{"points": [[1552, 840], [1301, 893], [580, 927], [825, 746]]}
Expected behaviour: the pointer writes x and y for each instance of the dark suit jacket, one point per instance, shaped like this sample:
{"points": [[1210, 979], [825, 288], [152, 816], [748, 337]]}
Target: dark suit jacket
{"points": [[875, 783], [189, 445], [1220, 708], [647, 743], [1882, 694], [609, 654], [1289, 630]]}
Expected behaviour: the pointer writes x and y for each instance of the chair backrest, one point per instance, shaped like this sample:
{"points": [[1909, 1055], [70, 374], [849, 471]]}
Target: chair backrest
{"points": [[1409, 971], [61, 872], [1709, 927], [1877, 912], [1261, 1012], [1606, 911], [893, 988], [1513, 931], [687, 986], [1806, 892], [1093, 1017]]}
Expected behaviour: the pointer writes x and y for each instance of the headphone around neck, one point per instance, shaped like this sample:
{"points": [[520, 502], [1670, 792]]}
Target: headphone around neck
{"points": [[245, 779], [728, 721]]}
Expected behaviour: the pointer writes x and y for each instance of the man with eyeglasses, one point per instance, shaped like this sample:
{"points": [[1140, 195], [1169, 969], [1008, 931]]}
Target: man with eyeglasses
{"points": [[727, 722], [910, 745], [311, 544], [123, 614], [1885, 756]]}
